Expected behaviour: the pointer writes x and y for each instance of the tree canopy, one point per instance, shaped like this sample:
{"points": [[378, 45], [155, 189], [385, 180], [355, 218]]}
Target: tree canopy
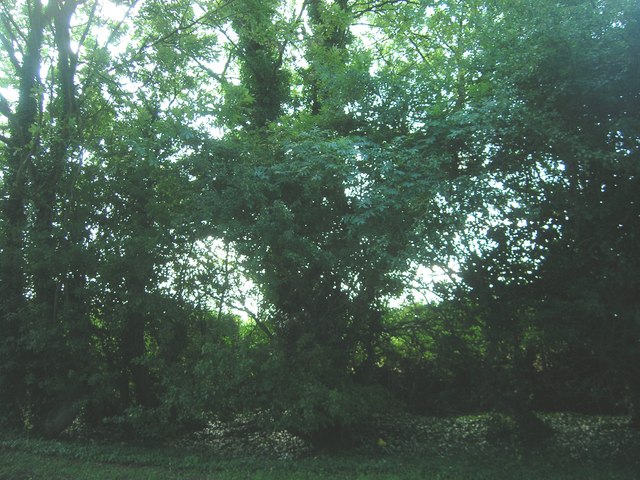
{"points": [[317, 210]]}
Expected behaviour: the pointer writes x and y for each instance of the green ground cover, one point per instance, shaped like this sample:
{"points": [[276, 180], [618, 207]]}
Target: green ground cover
{"points": [[582, 447]]}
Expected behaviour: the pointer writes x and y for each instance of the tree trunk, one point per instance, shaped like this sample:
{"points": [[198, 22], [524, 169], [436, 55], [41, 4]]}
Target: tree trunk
{"points": [[261, 63], [49, 171], [134, 349], [138, 277], [22, 145]]}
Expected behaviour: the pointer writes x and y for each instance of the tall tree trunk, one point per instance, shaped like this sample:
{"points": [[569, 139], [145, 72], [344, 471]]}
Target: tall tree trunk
{"points": [[260, 55], [49, 171], [50, 261], [134, 349], [22, 145], [327, 36], [138, 278]]}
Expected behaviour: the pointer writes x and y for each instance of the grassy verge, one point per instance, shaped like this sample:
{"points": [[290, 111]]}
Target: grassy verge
{"points": [[18, 465]]}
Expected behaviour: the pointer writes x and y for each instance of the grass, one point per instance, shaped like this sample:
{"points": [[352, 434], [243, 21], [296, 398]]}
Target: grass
{"points": [[18, 465], [583, 448]]}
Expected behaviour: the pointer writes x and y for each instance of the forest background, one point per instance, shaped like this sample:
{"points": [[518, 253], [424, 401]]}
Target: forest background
{"points": [[317, 210]]}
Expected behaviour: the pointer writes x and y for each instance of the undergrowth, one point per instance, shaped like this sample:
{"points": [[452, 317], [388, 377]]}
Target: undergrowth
{"points": [[395, 447]]}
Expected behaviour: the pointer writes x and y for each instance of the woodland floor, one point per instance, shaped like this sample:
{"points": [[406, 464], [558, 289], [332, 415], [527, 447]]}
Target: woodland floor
{"points": [[391, 447]]}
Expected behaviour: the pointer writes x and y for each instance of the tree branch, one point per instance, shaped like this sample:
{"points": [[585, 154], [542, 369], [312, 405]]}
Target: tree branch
{"points": [[8, 46], [11, 24], [94, 72], [259, 323], [181, 28], [298, 18], [5, 108], [234, 45], [210, 72], [417, 48], [117, 28], [376, 7], [86, 30]]}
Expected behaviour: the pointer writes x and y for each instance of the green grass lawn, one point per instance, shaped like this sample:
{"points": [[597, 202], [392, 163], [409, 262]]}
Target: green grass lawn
{"points": [[23, 465], [588, 448]]}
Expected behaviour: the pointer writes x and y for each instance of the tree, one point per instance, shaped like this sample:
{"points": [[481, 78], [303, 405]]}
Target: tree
{"points": [[40, 142], [566, 178]]}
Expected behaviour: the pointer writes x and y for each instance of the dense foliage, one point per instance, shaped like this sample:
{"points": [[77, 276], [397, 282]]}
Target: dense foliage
{"points": [[316, 211]]}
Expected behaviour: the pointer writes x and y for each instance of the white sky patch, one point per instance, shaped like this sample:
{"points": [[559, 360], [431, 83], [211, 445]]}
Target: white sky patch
{"points": [[115, 14], [10, 93], [212, 275], [421, 281]]}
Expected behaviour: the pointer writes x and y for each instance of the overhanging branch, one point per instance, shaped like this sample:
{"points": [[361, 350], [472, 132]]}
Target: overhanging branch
{"points": [[11, 53], [5, 108]]}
